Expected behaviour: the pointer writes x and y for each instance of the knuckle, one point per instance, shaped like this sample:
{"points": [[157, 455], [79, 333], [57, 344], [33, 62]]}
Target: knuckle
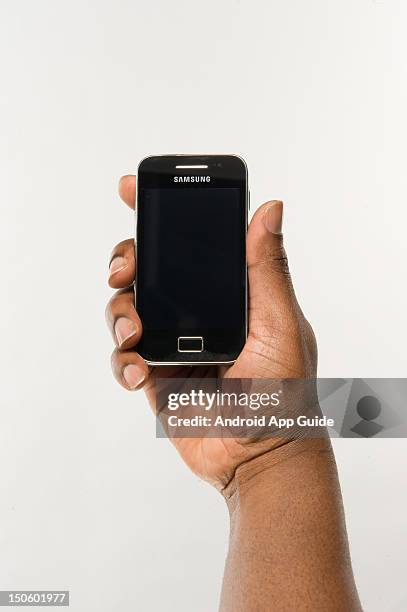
{"points": [[113, 360], [108, 312], [114, 305], [279, 260], [275, 259], [110, 306]]}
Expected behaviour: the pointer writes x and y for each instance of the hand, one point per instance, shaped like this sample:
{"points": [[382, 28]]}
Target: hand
{"points": [[280, 342]]}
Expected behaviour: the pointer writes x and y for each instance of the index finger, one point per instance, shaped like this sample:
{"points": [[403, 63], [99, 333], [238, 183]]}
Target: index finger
{"points": [[127, 190]]}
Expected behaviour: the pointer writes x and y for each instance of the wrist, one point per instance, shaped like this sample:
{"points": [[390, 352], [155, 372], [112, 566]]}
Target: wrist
{"points": [[287, 531], [270, 472]]}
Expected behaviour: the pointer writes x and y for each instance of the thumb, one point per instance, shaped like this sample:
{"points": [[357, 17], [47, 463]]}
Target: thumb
{"points": [[272, 301]]}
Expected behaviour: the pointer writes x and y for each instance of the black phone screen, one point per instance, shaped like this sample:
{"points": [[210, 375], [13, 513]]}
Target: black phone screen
{"points": [[190, 256]]}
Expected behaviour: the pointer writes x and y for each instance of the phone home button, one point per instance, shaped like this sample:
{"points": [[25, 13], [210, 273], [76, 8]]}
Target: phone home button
{"points": [[190, 344]]}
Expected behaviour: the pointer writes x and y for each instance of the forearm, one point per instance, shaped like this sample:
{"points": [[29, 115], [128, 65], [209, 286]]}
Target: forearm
{"points": [[288, 547]]}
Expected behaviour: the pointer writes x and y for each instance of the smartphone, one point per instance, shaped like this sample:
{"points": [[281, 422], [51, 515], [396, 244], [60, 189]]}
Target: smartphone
{"points": [[191, 276]]}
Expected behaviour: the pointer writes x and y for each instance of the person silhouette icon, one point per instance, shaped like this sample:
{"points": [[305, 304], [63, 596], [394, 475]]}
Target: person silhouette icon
{"points": [[368, 408]]}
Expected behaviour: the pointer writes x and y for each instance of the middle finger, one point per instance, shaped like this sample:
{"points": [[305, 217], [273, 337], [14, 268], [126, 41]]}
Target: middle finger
{"points": [[123, 320], [122, 265]]}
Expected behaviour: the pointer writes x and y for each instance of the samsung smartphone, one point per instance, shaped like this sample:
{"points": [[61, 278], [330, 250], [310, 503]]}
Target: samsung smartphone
{"points": [[191, 278]]}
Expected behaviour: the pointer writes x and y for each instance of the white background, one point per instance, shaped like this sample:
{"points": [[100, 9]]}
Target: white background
{"points": [[314, 95]]}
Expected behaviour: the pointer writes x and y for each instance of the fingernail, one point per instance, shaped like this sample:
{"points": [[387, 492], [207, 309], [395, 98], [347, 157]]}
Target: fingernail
{"points": [[124, 328], [273, 217], [117, 264], [133, 376]]}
